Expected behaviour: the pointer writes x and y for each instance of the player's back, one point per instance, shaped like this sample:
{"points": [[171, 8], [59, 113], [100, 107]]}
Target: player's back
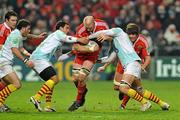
{"points": [[13, 40], [48, 47], [124, 47]]}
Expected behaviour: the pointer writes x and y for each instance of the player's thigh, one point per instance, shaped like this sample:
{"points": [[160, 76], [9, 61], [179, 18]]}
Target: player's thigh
{"points": [[119, 72], [76, 66], [12, 78], [128, 78], [131, 72], [75, 71], [4, 82], [40, 65], [88, 64], [118, 76], [137, 83], [7, 73]]}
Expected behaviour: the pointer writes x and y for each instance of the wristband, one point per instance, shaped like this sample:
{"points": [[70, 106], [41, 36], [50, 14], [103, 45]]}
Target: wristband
{"points": [[25, 60]]}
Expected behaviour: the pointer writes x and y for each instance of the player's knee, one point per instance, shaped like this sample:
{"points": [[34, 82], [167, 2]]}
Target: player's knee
{"points": [[75, 74], [140, 89], [116, 87], [55, 79], [18, 85], [83, 73], [124, 85]]}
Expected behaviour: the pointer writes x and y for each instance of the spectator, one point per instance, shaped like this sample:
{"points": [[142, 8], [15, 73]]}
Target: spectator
{"points": [[172, 35]]}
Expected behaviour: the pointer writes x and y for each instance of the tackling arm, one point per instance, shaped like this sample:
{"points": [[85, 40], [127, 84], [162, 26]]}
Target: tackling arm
{"points": [[40, 36], [103, 32], [89, 48], [65, 56], [110, 59], [146, 63], [71, 39], [17, 53], [24, 51]]}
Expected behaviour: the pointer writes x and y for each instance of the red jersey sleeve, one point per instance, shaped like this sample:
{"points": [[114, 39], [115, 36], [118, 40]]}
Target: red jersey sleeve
{"points": [[144, 51]]}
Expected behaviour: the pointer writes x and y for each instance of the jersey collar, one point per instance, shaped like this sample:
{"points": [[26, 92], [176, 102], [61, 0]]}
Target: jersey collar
{"points": [[5, 24]]}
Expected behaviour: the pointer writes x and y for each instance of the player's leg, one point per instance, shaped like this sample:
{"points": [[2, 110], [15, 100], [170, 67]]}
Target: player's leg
{"points": [[2, 84], [75, 73], [150, 96], [132, 71], [48, 74], [117, 79], [82, 90], [10, 77]]}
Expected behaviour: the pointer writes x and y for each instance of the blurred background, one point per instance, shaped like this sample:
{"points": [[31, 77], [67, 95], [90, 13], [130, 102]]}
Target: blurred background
{"points": [[159, 21]]}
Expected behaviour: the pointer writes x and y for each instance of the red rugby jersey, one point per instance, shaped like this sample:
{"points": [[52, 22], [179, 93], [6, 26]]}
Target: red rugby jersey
{"points": [[82, 32], [141, 47], [5, 30]]}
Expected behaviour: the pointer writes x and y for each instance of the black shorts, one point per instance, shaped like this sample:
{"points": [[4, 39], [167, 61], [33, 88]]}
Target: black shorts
{"points": [[47, 73]]}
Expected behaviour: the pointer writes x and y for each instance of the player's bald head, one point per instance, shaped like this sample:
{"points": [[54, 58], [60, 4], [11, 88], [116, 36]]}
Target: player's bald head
{"points": [[89, 23]]}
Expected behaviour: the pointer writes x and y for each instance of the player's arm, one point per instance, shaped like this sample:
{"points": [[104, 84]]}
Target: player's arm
{"points": [[147, 61], [89, 48], [102, 68], [105, 34], [110, 59], [1, 41], [71, 39], [65, 56], [1, 46], [24, 51], [16, 50], [18, 54], [40, 36], [147, 57]]}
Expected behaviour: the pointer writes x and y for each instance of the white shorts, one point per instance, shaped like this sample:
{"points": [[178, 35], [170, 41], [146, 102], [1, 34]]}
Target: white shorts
{"points": [[40, 65], [134, 69], [5, 70]]}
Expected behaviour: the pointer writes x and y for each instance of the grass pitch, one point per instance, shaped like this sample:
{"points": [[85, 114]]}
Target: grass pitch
{"points": [[101, 103]]}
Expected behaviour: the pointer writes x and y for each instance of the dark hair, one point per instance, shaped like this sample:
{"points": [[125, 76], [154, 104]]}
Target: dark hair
{"points": [[132, 28], [23, 23], [61, 24], [9, 14]]}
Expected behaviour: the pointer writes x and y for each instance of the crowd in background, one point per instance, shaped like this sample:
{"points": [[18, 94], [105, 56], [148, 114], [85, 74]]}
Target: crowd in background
{"points": [[158, 19]]}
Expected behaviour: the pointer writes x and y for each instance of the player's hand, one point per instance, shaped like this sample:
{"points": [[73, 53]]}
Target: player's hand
{"points": [[63, 57], [28, 54], [83, 40], [101, 69], [42, 35], [30, 64], [143, 69], [102, 60], [102, 37]]}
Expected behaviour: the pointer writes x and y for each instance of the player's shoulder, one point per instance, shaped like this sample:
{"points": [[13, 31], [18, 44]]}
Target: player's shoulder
{"points": [[4, 26], [100, 22], [15, 34], [80, 26], [142, 40], [80, 29]]}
